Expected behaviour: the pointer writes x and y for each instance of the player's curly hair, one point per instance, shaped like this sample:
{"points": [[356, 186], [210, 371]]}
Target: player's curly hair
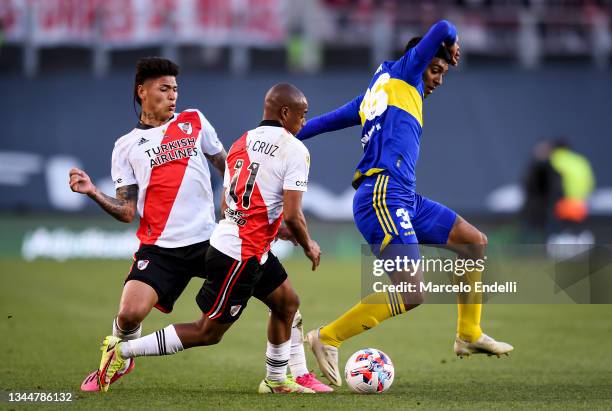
{"points": [[442, 52], [152, 67]]}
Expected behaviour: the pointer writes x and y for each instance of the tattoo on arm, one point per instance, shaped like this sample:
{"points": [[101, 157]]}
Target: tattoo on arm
{"points": [[218, 161], [123, 208]]}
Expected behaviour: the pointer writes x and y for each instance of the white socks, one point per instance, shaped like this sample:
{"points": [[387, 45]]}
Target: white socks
{"points": [[297, 358], [126, 335], [162, 342], [277, 357], [167, 342]]}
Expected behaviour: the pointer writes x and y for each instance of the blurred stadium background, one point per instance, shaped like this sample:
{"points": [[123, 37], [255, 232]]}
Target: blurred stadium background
{"points": [[531, 70]]}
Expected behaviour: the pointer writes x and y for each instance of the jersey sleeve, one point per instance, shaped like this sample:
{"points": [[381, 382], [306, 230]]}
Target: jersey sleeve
{"points": [[413, 63], [296, 169], [343, 117], [211, 144], [121, 169]]}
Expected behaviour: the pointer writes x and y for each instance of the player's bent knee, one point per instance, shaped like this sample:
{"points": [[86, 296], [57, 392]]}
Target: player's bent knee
{"points": [[484, 239], [131, 317], [291, 310], [283, 302], [287, 309], [475, 242], [294, 304], [477, 248]]}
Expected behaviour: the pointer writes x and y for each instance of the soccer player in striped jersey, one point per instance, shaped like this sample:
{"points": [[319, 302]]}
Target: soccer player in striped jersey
{"points": [[387, 209], [265, 176], [158, 169], [160, 173]]}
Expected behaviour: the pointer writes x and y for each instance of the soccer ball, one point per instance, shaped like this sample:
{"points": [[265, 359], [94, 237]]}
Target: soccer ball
{"points": [[369, 371]]}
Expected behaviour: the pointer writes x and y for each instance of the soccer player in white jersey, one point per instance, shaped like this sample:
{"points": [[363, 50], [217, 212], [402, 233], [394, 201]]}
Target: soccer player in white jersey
{"points": [[265, 177], [160, 172]]}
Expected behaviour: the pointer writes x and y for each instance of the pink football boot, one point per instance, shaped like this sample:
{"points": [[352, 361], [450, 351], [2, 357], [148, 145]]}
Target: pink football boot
{"points": [[91, 382], [310, 381]]}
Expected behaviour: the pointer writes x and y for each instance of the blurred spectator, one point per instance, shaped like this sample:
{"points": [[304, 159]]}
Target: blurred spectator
{"points": [[543, 188], [577, 180], [557, 185]]}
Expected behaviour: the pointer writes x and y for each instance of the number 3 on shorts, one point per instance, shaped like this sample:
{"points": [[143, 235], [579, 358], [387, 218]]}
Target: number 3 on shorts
{"points": [[404, 218]]}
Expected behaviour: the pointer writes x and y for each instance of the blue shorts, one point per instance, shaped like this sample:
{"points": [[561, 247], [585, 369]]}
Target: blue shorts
{"points": [[385, 213]]}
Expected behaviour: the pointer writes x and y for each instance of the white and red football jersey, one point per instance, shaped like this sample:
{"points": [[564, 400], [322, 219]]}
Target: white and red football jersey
{"points": [[175, 198], [260, 165]]}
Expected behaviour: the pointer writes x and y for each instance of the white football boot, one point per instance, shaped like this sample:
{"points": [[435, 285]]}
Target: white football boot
{"points": [[327, 357], [483, 345]]}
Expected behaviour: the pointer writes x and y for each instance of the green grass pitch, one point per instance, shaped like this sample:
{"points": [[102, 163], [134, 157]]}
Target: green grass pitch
{"points": [[55, 314]]}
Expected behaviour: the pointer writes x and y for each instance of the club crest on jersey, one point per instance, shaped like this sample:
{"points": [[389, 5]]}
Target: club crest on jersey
{"points": [[142, 264], [185, 127], [234, 310]]}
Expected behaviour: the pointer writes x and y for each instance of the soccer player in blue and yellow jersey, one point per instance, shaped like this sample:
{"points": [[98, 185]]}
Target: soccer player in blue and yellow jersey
{"points": [[386, 208]]}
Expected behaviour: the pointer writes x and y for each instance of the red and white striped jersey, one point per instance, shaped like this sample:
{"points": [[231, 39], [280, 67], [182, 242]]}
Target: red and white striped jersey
{"points": [[175, 199], [260, 165]]}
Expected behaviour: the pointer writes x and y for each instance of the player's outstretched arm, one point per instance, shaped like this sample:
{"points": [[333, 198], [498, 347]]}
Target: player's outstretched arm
{"points": [[123, 208], [343, 117], [442, 32], [416, 60], [296, 223]]}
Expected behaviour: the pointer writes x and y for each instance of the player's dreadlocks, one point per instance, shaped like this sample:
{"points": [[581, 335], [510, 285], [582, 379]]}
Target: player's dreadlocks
{"points": [[442, 52], [152, 67]]}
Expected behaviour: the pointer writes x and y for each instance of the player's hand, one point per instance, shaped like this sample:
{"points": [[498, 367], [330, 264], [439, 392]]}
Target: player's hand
{"points": [[285, 234], [80, 182], [313, 253], [455, 53]]}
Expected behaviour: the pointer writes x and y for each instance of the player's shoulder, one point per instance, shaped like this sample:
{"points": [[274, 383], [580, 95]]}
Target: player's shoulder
{"points": [[128, 138], [203, 120], [295, 144], [389, 67], [296, 149], [192, 110]]}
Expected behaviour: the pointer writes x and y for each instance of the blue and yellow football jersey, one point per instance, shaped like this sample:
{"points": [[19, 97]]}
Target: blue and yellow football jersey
{"points": [[390, 112]]}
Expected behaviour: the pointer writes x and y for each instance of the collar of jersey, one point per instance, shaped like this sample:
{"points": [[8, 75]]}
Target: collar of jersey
{"points": [[142, 126], [270, 123]]}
